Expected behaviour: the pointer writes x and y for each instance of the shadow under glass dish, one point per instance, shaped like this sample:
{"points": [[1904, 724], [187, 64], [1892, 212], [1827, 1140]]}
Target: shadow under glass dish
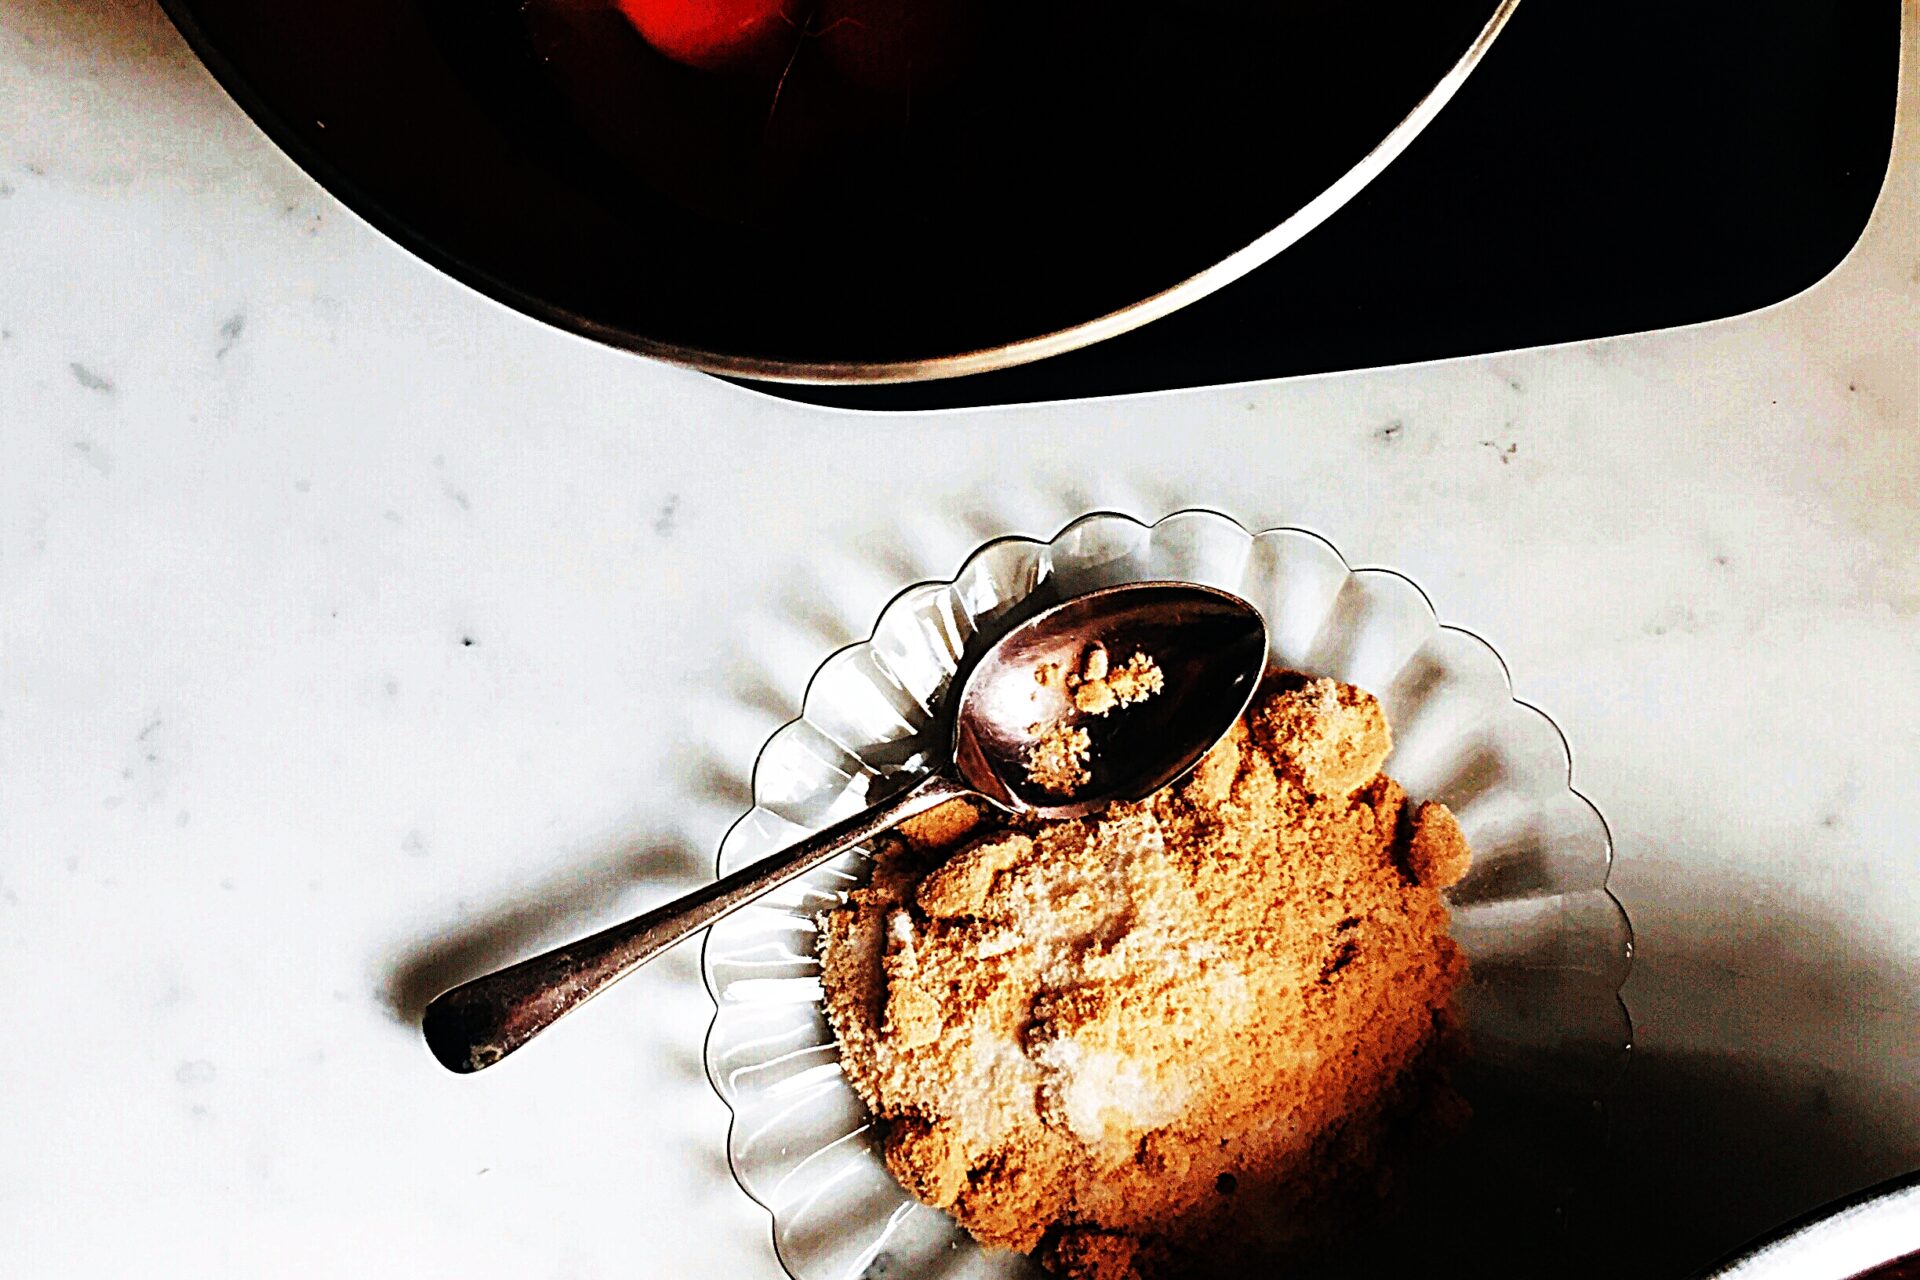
{"points": [[1089, 156]]}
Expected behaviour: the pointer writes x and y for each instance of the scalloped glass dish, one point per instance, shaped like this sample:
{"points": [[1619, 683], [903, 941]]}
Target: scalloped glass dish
{"points": [[1549, 945]]}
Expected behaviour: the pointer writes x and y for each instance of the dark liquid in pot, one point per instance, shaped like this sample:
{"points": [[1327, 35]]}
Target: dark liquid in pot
{"points": [[1054, 140]]}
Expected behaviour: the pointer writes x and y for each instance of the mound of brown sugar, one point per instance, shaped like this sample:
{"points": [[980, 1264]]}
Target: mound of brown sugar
{"points": [[1148, 1042]]}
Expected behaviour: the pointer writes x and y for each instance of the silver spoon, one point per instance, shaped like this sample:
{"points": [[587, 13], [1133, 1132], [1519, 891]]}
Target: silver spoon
{"points": [[1211, 648]]}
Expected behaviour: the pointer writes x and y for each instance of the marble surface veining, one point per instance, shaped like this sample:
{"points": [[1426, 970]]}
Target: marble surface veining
{"points": [[357, 634]]}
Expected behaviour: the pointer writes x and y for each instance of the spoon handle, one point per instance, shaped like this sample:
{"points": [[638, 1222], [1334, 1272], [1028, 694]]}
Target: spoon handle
{"points": [[474, 1025]]}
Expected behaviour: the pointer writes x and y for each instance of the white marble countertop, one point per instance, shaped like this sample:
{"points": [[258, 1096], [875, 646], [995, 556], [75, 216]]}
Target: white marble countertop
{"points": [[357, 634]]}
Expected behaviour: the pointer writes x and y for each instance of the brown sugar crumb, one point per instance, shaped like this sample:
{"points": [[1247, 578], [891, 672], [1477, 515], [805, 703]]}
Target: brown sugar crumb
{"points": [[941, 826], [1098, 687], [1137, 1042], [1437, 856], [1137, 681], [1329, 738], [1057, 761]]}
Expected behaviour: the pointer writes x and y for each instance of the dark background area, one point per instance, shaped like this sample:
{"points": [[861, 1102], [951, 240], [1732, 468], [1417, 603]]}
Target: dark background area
{"points": [[1611, 168], [543, 153]]}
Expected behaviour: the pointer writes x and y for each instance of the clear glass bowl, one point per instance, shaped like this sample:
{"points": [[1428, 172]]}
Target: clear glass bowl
{"points": [[1549, 945]]}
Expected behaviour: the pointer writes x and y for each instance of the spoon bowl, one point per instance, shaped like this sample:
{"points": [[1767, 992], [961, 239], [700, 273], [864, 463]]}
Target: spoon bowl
{"points": [[1210, 648]]}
